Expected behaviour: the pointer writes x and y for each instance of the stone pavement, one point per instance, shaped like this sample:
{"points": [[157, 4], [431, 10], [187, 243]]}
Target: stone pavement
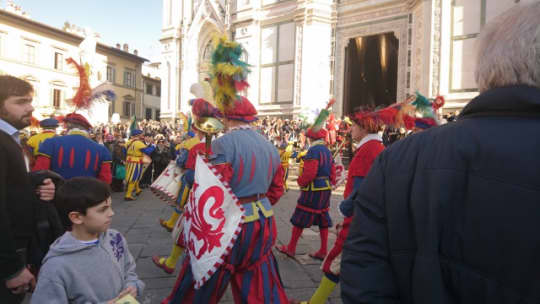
{"points": [[138, 221]]}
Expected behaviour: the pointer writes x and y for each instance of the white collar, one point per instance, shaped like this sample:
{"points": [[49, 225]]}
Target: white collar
{"points": [[370, 136], [241, 127]]}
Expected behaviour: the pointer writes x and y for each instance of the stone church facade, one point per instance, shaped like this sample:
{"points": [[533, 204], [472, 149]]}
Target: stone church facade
{"points": [[299, 50]]}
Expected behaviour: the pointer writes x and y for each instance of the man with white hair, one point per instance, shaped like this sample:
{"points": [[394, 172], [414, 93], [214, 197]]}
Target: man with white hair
{"points": [[452, 214]]}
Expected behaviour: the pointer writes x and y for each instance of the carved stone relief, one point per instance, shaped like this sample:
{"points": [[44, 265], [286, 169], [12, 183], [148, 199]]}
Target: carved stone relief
{"points": [[436, 49], [418, 44]]}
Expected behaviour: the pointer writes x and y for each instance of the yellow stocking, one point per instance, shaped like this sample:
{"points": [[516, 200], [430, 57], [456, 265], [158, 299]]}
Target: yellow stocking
{"points": [[323, 292], [129, 190], [172, 220], [176, 252]]}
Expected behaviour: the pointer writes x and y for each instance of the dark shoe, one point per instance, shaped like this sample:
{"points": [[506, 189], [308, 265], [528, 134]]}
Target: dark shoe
{"points": [[318, 255], [284, 249], [161, 264], [129, 198]]}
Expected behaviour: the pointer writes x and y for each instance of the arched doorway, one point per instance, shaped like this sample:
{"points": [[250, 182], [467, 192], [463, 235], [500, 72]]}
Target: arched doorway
{"points": [[205, 61]]}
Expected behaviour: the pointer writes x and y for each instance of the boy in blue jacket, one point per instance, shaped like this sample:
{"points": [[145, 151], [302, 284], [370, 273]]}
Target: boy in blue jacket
{"points": [[91, 263]]}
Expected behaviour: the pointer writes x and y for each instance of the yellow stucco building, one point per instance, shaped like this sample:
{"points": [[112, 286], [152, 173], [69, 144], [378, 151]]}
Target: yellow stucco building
{"points": [[37, 53]]}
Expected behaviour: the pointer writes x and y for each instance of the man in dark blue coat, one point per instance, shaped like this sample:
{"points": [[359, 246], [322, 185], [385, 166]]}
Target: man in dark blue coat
{"points": [[452, 214]]}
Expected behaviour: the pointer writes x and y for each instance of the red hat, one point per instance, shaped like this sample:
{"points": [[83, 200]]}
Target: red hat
{"points": [[77, 119], [202, 108], [241, 110], [316, 134]]}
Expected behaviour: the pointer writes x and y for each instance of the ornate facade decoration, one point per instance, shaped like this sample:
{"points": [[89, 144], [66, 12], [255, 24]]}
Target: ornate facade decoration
{"points": [[436, 48]]}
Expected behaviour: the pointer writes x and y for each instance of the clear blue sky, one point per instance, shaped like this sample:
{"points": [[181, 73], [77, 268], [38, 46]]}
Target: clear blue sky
{"points": [[135, 22]]}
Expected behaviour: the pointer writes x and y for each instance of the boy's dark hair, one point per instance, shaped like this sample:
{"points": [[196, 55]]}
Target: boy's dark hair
{"points": [[79, 194], [13, 86]]}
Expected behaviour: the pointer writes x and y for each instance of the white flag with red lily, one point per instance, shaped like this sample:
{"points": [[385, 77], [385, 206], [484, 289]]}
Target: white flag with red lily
{"points": [[213, 219]]}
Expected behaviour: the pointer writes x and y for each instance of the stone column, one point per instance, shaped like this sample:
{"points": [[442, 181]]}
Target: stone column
{"points": [[314, 25]]}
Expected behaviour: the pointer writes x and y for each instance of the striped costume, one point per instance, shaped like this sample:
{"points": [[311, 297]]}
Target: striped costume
{"points": [[317, 176], [252, 166], [316, 184], [135, 149], [74, 155]]}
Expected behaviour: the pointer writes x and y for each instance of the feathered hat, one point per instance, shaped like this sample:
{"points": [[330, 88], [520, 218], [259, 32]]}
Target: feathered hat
{"points": [[317, 131], [426, 111], [398, 115], [228, 77], [85, 95]]}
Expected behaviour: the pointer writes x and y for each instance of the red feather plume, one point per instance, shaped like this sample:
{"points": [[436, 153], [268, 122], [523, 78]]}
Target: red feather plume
{"points": [[82, 99]]}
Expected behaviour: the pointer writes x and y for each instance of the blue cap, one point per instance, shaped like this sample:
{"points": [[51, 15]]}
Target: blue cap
{"points": [[49, 123], [136, 132], [191, 133]]}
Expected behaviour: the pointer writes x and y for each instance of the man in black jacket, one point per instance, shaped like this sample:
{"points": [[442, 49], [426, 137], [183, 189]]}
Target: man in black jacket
{"points": [[17, 195], [452, 214]]}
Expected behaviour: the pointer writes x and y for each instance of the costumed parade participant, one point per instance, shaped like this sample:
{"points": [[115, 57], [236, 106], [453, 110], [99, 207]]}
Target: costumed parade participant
{"points": [[365, 128], [75, 154], [316, 180], [181, 153], [249, 164], [136, 150], [285, 154], [205, 125], [48, 127]]}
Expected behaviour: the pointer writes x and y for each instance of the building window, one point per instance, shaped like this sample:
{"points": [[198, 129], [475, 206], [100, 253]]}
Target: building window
{"points": [[148, 114], [58, 61], [29, 53], [149, 89], [57, 98], [467, 18], [277, 63], [111, 74], [157, 115], [158, 91], [127, 109], [129, 78]]}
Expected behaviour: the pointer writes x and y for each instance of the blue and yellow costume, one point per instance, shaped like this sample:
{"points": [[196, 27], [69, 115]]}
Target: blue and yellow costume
{"points": [[49, 125], [182, 152], [135, 150], [285, 154], [187, 155]]}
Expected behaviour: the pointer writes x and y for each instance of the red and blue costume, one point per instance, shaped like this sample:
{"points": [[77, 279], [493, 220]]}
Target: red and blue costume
{"points": [[75, 155], [368, 150], [316, 180], [251, 165]]}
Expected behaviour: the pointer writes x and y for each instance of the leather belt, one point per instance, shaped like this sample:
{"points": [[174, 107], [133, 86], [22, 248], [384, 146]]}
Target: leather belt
{"points": [[251, 198]]}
